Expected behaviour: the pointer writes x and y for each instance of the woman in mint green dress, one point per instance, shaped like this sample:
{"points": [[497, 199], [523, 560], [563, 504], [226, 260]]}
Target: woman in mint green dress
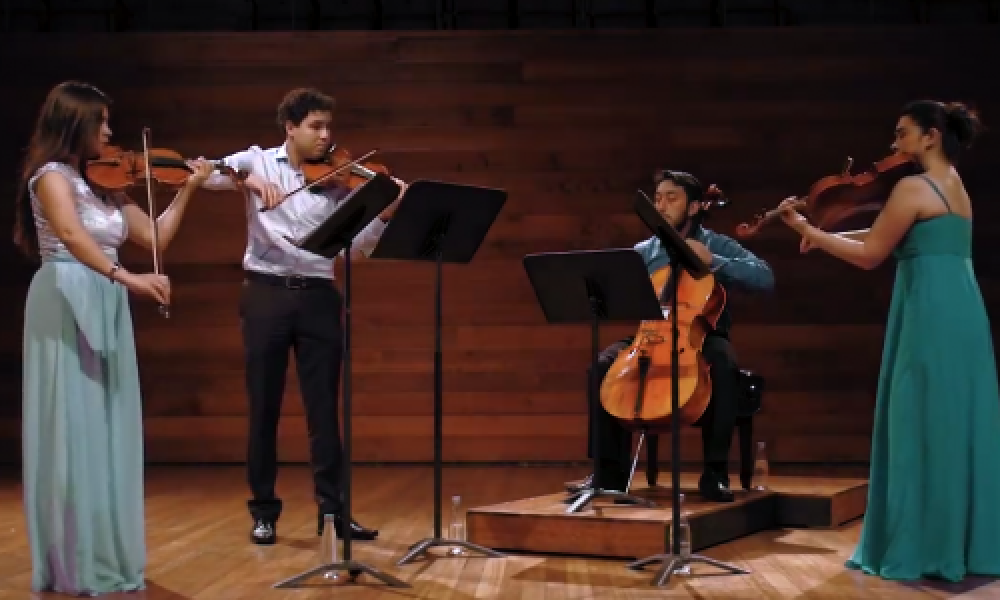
{"points": [[934, 490], [81, 415]]}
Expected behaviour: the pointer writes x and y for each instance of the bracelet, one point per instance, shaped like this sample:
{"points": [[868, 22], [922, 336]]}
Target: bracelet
{"points": [[114, 269]]}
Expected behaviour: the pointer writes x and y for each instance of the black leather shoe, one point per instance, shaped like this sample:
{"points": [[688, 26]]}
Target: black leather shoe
{"points": [[583, 484], [715, 488], [357, 531], [264, 532]]}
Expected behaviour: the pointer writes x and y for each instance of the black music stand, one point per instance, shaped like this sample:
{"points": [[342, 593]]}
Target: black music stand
{"points": [[682, 258], [440, 222], [592, 286], [335, 234]]}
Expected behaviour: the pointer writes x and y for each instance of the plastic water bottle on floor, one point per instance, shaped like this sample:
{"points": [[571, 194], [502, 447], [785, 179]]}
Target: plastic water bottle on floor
{"points": [[329, 550], [760, 468], [457, 529]]}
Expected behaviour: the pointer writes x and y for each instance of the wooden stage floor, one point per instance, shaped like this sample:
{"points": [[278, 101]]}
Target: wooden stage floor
{"points": [[198, 530]]}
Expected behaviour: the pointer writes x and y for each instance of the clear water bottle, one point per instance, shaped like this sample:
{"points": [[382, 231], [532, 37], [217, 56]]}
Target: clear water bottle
{"points": [[329, 550], [760, 468], [457, 529]]}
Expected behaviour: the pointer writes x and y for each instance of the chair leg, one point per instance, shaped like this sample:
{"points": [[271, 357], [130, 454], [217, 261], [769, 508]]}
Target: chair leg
{"points": [[746, 452], [652, 460]]}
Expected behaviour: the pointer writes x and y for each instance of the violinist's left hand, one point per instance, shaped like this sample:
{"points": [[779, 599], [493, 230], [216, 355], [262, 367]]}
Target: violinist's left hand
{"points": [[701, 250], [391, 209], [201, 170], [791, 216]]}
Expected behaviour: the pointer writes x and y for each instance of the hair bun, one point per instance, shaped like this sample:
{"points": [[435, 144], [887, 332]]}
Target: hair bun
{"points": [[962, 121]]}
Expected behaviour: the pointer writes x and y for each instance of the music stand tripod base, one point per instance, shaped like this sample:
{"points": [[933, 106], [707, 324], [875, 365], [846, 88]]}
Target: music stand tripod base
{"points": [[674, 564], [426, 544], [352, 567]]}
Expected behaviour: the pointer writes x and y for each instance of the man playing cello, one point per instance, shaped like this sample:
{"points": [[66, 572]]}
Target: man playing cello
{"points": [[680, 199]]}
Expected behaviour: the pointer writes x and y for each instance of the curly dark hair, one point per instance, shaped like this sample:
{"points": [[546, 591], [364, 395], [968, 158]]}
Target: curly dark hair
{"points": [[298, 103]]}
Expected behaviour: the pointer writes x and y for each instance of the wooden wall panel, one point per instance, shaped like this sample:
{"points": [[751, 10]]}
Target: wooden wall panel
{"points": [[571, 124]]}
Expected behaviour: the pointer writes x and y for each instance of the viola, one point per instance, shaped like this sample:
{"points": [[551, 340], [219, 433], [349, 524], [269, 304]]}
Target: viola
{"points": [[638, 387], [117, 169], [337, 167], [836, 198]]}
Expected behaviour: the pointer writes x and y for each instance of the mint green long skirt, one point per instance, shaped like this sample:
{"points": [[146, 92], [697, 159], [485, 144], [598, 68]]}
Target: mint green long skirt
{"points": [[82, 434]]}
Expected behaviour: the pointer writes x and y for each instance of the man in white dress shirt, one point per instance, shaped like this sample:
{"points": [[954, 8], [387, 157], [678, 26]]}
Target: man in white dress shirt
{"points": [[289, 301]]}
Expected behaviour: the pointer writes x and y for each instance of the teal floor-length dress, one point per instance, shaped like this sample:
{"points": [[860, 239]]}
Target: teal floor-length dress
{"points": [[934, 490], [81, 417]]}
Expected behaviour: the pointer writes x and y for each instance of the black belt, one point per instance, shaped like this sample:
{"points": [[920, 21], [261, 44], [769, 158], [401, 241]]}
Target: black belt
{"points": [[292, 282]]}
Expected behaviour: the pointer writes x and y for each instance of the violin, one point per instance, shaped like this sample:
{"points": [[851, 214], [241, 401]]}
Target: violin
{"points": [[836, 198], [116, 169], [337, 167], [638, 387]]}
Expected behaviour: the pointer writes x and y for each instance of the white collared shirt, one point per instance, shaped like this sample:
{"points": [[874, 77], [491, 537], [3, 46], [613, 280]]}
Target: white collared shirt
{"points": [[267, 249]]}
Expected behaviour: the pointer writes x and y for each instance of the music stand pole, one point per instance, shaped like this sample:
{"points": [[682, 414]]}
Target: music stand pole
{"points": [[440, 222], [589, 287], [682, 258], [337, 233]]}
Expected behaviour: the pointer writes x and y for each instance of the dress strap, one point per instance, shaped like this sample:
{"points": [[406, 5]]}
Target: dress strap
{"points": [[937, 191]]}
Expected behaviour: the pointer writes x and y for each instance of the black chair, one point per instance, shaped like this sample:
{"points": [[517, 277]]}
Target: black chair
{"points": [[752, 391]]}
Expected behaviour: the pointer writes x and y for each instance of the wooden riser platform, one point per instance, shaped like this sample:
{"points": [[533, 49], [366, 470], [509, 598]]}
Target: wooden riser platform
{"points": [[605, 529]]}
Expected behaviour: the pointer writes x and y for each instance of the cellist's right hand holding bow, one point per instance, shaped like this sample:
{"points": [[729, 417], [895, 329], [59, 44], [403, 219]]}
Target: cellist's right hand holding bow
{"points": [[150, 285]]}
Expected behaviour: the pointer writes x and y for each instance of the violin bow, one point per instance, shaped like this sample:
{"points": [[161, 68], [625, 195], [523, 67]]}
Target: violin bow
{"points": [[164, 309]]}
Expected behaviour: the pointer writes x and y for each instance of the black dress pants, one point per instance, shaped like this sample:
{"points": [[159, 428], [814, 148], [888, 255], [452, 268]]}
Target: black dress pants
{"points": [[279, 314], [717, 423]]}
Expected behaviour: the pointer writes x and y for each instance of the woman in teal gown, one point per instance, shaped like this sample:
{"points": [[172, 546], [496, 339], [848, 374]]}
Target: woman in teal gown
{"points": [[934, 491], [81, 413]]}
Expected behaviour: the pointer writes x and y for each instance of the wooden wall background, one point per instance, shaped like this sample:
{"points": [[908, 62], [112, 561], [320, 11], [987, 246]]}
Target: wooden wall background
{"points": [[571, 124]]}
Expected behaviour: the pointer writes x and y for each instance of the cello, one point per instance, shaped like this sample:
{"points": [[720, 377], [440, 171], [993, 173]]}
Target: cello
{"points": [[834, 199], [637, 388]]}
